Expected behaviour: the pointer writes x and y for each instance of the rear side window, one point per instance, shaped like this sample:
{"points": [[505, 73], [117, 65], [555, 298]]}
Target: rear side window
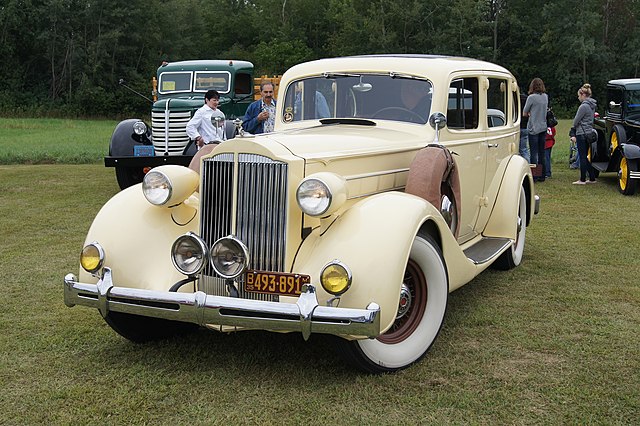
{"points": [[462, 108], [497, 102]]}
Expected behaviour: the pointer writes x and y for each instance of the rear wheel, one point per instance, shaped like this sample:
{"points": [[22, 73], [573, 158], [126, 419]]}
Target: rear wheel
{"points": [[129, 176], [618, 137], [423, 300], [626, 184], [513, 256], [141, 329]]}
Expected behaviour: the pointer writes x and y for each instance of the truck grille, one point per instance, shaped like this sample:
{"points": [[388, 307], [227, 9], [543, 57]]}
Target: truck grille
{"points": [[259, 189], [178, 138]]}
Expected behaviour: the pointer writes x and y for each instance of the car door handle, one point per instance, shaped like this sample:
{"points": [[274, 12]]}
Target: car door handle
{"points": [[492, 145]]}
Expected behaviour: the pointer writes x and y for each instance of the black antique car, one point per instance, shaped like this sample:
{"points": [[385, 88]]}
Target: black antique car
{"points": [[618, 146]]}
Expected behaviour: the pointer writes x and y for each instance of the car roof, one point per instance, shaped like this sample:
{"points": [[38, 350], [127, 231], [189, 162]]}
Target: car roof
{"points": [[629, 83], [230, 65]]}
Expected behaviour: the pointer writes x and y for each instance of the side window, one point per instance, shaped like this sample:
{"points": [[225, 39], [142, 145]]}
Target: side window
{"points": [[462, 109], [515, 107], [243, 84], [614, 96], [497, 102]]}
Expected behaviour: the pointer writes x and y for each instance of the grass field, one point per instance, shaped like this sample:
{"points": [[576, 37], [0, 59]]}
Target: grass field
{"points": [[554, 341]]}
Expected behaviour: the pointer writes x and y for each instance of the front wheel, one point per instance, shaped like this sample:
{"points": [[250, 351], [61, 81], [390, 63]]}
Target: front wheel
{"points": [[423, 301], [513, 256], [141, 329], [129, 176], [626, 184]]}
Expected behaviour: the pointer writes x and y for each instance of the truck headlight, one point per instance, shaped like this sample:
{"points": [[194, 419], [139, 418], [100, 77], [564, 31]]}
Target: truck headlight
{"points": [[229, 257], [335, 278], [321, 194], [139, 128], [156, 187], [92, 257], [189, 254]]}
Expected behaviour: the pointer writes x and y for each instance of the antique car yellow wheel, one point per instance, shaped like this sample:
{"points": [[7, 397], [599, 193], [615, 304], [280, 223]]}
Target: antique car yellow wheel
{"points": [[618, 137], [420, 314], [513, 256], [626, 185], [141, 329]]}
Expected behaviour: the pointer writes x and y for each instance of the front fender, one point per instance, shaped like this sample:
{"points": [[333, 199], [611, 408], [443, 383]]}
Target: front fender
{"points": [[137, 238], [630, 151], [124, 139], [373, 239]]}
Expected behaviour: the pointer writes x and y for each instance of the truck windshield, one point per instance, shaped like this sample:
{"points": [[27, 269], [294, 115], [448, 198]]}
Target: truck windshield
{"points": [[206, 80], [175, 82], [372, 96], [633, 104]]}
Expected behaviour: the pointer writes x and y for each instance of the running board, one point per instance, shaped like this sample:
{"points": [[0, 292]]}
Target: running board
{"points": [[486, 249]]}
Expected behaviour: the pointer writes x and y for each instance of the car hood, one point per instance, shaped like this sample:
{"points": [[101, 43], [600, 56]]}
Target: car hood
{"points": [[344, 140]]}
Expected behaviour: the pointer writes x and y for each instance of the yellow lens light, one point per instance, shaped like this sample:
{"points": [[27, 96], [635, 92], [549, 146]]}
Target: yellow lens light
{"points": [[335, 278], [92, 257]]}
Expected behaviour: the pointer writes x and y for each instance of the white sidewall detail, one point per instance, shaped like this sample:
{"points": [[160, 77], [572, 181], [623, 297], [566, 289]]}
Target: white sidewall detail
{"points": [[517, 250], [401, 354]]}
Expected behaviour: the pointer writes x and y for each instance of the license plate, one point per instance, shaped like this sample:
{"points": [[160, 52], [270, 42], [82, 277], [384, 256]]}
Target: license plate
{"points": [[275, 282], [143, 151]]}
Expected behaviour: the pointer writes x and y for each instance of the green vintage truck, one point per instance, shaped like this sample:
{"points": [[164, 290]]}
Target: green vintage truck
{"points": [[179, 89]]}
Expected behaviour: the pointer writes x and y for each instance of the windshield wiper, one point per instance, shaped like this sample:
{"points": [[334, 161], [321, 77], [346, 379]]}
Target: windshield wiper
{"points": [[339, 74], [393, 74]]}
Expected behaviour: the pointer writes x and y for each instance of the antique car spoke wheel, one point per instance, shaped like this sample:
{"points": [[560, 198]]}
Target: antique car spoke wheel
{"points": [[423, 301], [513, 256], [626, 185], [618, 137]]}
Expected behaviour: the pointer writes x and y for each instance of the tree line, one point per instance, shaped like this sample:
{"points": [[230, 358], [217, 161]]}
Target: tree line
{"points": [[65, 57]]}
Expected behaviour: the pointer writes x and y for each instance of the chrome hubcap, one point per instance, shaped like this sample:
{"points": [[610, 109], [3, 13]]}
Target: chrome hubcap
{"points": [[405, 301]]}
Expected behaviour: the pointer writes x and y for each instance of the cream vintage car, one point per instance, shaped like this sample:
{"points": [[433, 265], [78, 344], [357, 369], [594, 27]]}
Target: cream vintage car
{"points": [[389, 182]]}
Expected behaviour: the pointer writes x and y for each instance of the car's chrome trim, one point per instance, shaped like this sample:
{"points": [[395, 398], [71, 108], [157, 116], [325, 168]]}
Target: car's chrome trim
{"points": [[305, 316]]}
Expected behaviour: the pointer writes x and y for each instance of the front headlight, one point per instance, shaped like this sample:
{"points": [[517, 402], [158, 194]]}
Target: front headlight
{"points": [[321, 194], [92, 257], [229, 257], [335, 278], [139, 128], [156, 187], [189, 254]]}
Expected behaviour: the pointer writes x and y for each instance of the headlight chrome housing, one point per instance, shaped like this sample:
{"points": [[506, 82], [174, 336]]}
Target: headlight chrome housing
{"points": [[139, 128], [157, 187], [92, 257], [189, 254], [336, 278], [321, 194], [229, 257]]}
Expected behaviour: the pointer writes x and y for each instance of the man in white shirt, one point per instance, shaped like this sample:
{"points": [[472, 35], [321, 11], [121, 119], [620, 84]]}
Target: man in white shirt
{"points": [[207, 124]]}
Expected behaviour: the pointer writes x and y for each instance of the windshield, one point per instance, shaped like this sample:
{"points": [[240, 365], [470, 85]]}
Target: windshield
{"points": [[184, 82], [373, 96]]}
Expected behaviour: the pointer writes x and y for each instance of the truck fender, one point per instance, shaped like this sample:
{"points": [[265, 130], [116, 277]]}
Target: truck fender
{"points": [[501, 221], [630, 151], [123, 139], [372, 239], [137, 238]]}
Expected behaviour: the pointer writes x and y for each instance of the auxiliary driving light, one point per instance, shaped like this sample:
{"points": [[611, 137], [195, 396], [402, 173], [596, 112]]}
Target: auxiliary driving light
{"points": [[189, 254], [335, 278], [92, 257], [229, 257]]}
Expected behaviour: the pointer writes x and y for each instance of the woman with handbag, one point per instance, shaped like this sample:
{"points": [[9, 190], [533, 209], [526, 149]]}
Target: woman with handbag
{"points": [[583, 124]]}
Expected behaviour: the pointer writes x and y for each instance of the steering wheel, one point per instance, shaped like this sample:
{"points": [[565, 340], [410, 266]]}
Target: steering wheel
{"points": [[399, 114]]}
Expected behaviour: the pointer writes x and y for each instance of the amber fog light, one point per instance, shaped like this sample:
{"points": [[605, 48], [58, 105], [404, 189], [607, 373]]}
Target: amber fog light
{"points": [[189, 254], [229, 257], [335, 278], [92, 257]]}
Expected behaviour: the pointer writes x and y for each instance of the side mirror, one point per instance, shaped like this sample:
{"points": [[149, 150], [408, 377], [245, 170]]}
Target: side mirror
{"points": [[438, 121], [217, 121]]}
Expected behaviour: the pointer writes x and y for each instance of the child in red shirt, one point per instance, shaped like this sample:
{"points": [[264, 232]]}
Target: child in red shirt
{"points": [[549, 141]]}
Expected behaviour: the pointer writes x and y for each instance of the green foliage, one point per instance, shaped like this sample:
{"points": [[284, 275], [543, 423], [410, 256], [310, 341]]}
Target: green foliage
{"points": [[70, 54]]}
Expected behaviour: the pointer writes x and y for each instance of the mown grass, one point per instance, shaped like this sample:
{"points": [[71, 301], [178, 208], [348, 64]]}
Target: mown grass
{"points": [[48, 140], [554, 341]]}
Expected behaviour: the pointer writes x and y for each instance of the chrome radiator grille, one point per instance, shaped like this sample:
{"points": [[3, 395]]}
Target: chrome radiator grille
{"points": [[178, 138], [259, 220]]}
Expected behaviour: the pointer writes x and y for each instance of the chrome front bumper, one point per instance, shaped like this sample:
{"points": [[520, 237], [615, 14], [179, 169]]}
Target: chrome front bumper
{"points": [[305, 316]]}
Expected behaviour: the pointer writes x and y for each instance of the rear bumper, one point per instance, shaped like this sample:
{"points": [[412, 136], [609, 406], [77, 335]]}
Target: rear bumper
{"points": [[305, 316]]}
